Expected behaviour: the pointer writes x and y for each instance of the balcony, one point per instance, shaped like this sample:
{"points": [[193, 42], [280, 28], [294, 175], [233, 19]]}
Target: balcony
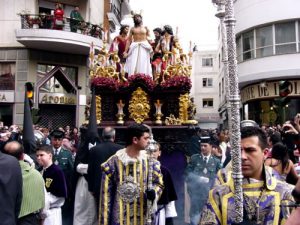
{"points": [[114, 17], [41, 32], [125, 7]]}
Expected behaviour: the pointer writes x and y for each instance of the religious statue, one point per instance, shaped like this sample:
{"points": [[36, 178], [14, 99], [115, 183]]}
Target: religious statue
{"points": [[138, 49], [119, 44], [192, 109], [187, 109]]}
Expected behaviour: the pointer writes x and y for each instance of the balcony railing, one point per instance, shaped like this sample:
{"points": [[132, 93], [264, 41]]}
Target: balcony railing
{"points": [[42, 21], [116, 11]]}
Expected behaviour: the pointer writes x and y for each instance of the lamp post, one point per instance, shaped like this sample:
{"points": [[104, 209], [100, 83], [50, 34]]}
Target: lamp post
{"points": [[226, 15]]}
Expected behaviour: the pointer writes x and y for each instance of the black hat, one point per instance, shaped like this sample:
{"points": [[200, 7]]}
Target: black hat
{"points": [[57, 134], [206, 139]]}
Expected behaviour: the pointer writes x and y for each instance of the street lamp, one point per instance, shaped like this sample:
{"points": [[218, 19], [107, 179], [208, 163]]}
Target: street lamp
{"points": [[226, 15]]}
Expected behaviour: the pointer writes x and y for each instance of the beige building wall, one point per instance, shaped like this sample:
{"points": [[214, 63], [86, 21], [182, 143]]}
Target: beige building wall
{"points": [[205, 87]]}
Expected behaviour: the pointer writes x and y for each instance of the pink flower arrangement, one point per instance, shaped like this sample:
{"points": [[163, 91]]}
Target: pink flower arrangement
{"points": [[142, 79], [105, 84], [180, 83]]}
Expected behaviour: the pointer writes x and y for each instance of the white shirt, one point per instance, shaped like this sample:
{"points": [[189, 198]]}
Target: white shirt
{"points": [[207, 157], [56, 151]]}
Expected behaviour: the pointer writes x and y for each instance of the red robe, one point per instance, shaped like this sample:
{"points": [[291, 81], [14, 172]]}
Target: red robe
{"points": [[121, 47]]}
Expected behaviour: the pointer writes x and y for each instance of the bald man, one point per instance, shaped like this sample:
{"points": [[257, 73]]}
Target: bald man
{"points": [[98, 155], [33, 193]]}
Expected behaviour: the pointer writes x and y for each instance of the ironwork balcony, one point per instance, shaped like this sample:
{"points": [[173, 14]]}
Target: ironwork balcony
{"points": [[45, 32]]}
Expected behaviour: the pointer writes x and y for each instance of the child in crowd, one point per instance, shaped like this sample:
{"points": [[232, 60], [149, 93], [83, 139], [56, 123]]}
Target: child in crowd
{"points": [[55, 185]]}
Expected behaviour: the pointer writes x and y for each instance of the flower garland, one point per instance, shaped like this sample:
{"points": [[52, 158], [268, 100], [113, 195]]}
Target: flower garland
{"points": [[142, 79], [180, 83], [105, 83]]}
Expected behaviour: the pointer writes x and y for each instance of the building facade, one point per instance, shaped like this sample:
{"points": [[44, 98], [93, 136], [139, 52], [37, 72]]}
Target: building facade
{"points": [[35, 47], [267, 53], [205, 88]]}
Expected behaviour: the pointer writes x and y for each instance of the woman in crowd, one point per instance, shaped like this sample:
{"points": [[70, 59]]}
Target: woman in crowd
{"points": [[74, 135], [281, 163]]}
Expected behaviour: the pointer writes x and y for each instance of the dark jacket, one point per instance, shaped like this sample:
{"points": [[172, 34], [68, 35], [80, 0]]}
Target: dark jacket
{"points": [[98, 155], [10, 189], [65, 161]]}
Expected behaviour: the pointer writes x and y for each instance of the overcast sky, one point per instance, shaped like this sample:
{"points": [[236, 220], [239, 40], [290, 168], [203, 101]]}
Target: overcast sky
{"points": [[194, 18]]}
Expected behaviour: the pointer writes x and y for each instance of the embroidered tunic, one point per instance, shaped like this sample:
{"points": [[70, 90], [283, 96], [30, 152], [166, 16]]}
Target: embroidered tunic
{"points": [[269, 194], [113, 209]]}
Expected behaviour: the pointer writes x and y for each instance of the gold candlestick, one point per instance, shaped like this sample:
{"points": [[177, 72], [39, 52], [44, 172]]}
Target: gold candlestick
{"points": [[120, 115], [158, 113]]}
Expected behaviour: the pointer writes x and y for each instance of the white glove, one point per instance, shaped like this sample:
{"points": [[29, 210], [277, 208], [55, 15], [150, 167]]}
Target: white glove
{"points": [[91, 145], [203, 179], [82, 168], [29, 160]]}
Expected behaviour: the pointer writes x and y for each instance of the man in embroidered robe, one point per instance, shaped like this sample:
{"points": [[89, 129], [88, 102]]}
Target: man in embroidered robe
{"points": [[138, 49], [263, 194], [124, 186], [200, 174]]}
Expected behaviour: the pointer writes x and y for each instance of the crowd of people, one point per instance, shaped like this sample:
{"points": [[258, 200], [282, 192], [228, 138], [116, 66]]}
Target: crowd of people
{"points": [[270, 157], [70, 139], [70, 191], [72, 186]]}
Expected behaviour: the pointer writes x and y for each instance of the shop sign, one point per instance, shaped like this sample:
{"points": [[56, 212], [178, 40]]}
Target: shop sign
{"points": [[57, 98], [268, 90], [7, 96]]}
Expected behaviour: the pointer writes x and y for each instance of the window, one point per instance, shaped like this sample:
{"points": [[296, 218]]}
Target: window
{"points": [[239, 51], [58, 82], [71, 72], [248, 45], [207, 102], [222, 50], [207, 62], [223, 85], [7, 76], [298, 35], [285, 38], [264, 42], [207, 82], [279, 38]]}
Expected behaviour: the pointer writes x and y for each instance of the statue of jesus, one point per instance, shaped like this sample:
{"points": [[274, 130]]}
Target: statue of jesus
{"points": [[138, 49]]}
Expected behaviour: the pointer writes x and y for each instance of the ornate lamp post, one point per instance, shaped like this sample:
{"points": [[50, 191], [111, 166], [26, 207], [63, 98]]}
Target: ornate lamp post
{"points": [[232, 97], [221, 15]]}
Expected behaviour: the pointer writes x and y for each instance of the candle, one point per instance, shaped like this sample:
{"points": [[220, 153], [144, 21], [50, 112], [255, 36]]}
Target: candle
{"points": [[105, 35]]}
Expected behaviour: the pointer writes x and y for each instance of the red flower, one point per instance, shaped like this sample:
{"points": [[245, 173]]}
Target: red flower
{"points": [[105, 83], [180, 83], [143, 79]]}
